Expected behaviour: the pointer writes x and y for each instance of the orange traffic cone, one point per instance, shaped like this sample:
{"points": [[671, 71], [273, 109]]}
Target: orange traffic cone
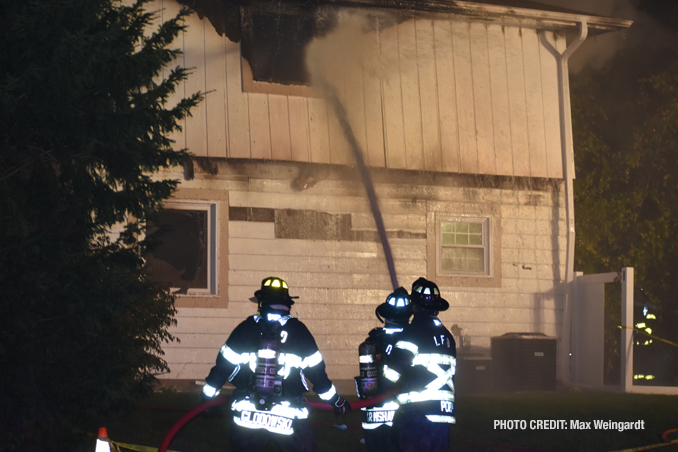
{"points": [[103, 443]]}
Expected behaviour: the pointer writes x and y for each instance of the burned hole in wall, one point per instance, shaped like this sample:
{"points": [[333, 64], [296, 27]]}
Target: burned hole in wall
{"points": [[275, 37], [274, 40]]}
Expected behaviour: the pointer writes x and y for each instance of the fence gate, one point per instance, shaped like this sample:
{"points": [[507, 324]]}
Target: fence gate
{"points": [[588, 329]]}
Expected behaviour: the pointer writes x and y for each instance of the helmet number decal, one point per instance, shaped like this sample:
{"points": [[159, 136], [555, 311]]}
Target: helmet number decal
{"points": [[283, 336]]}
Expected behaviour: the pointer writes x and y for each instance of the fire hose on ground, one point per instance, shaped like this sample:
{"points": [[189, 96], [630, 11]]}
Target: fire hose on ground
{"points": [[220, 400], [651, 336]]}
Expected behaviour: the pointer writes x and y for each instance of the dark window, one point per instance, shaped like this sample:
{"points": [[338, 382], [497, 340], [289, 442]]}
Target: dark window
{"points": [[274, 40], [278, 48], [180, 256]]}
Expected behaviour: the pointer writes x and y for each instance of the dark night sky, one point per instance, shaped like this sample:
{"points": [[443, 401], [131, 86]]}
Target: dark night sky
{"points": [[655, 28]]}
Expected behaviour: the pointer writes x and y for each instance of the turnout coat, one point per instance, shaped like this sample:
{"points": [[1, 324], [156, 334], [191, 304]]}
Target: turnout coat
{"points": [[298, 360]]}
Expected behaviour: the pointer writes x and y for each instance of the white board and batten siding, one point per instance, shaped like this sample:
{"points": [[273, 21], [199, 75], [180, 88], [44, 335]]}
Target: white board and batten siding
{"points": [[341, 282], [467, 97]]}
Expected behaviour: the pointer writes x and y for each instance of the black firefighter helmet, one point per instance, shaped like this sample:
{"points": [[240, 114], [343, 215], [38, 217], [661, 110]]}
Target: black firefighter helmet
{"points": [[273, 290], [426, 295], [397, 307]]}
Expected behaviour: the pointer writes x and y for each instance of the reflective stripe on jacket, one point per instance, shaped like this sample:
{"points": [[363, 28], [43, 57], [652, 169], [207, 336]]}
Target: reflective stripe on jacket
{"points": [[299, 359], [423, 362], [382, 414]]}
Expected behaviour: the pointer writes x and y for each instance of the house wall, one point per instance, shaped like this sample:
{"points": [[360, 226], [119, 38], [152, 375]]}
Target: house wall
{"points": [[457, 96], [332, 259]]}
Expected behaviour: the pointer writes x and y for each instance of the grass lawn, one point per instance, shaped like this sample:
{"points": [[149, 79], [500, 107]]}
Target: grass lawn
{"points": [[474, 430]]}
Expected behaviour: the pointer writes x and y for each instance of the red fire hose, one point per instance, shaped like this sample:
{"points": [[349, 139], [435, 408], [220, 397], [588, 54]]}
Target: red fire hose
{"points": [[219, 400], [187, 417], [665, 436]]}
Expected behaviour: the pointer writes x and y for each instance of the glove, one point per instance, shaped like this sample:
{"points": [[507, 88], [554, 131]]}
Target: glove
{"points": [[213, 411], [341, 407]]}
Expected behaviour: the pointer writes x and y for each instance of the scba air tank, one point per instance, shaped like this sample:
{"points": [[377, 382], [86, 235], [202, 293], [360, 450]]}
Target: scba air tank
{"points": [[366, 383], [267, 385]]}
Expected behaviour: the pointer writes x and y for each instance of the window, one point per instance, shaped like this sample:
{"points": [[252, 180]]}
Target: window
{"points": [[185, 253], [273, 46], [278, 43], [463, 246]]}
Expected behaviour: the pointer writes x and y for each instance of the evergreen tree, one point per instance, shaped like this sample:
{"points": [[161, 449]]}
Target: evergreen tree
{"points": [[84, 124]]}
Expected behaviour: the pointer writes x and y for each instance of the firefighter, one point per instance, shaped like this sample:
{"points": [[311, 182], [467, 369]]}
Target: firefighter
{"points": [[378, 420], [268, 358], [423, 363], [647, 362]]}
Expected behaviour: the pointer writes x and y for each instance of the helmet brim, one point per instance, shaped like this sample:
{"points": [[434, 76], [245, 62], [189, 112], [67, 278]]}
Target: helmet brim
{"points": [[267, 297], [440, 304], [390, 312]]}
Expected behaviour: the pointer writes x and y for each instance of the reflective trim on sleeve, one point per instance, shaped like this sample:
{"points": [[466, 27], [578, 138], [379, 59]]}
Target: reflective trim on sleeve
{"points": [[290, 361], [231, 356], [425, 396], [391, 374], [329, 394], [209, 391], [311, 361], [409, 346], [441, 419]]}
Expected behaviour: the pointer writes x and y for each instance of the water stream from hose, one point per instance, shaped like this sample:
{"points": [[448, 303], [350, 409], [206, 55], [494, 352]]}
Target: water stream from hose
{"points": [[331, 96]]}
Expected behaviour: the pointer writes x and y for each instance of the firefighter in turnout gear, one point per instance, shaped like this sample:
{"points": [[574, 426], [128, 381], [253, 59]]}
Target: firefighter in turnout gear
{"points": [[378, 419], [423, 363], [268, 358], [647, 364]]}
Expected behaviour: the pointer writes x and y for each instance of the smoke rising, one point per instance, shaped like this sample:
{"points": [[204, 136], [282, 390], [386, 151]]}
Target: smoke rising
{"points": [[648, 34], [355, 44]]}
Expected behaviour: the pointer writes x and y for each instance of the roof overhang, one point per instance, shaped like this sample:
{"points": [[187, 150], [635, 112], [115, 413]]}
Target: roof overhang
{"points": [[521, 13], [532, 17]]}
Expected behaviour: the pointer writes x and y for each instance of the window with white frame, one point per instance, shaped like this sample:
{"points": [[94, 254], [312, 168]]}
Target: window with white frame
{"points": [[463, 246], [184, 234]]}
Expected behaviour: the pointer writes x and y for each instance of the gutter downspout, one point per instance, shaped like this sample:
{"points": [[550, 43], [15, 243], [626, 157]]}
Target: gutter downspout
{"points": [[567, 148]]}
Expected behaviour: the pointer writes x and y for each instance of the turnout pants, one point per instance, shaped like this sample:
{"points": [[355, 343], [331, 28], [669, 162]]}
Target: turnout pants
{"points": [[412, 432], [380, 439]]}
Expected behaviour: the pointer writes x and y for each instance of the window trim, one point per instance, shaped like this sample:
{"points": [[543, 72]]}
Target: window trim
{"points": [[219, 198], [212, 264], [438, 210]]}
